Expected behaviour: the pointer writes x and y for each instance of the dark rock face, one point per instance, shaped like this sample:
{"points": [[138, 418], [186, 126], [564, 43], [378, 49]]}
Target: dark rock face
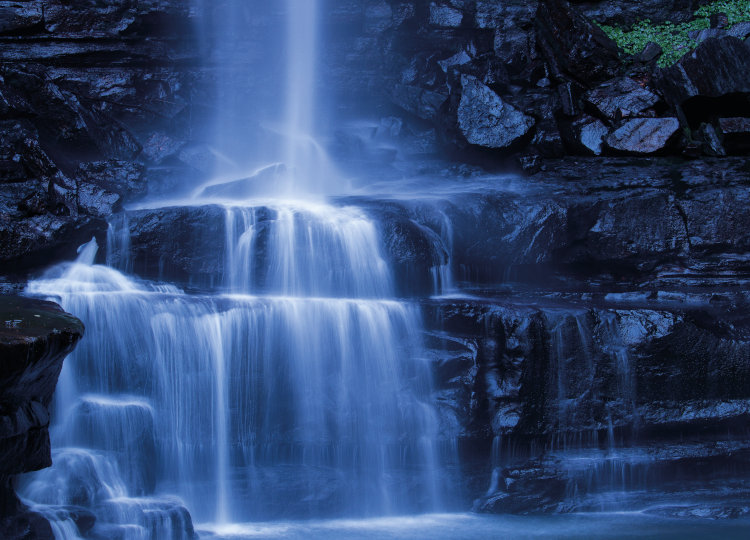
{"points": [[84, 89], [182, 244], [35, 338], [604, 221], [553, 381]]}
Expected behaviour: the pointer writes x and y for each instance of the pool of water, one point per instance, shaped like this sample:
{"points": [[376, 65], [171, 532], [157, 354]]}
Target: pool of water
{"points": [[474, 526]]}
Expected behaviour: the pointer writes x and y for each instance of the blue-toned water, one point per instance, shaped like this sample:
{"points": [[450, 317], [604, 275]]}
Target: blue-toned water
{"points": [[479, 527], [293, 398]]}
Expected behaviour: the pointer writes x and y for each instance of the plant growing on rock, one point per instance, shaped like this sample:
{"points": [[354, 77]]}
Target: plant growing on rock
{"points": [[674, 38]]}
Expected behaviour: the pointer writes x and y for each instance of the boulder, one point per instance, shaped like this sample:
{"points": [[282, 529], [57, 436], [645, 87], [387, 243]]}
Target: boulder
{"points": [[650, 53], [740, 30], [716, 68], [96, 201], [643, 135], [486, 120], [586, 134], [621, 98], [573, 46]]}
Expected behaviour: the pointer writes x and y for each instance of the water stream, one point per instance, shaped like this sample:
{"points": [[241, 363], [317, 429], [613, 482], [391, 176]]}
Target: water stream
{"points": [[292, 398]]}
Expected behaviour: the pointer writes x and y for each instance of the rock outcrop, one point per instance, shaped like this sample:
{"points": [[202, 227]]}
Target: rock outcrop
{"points": [[588, 396], [34, 339]]}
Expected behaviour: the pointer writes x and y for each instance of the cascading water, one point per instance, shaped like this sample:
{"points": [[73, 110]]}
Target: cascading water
{"points": [[297, 390], [294, 404]]}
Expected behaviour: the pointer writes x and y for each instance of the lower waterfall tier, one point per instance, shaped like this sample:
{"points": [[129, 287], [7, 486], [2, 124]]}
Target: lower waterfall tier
{"points": [[245, 407]]}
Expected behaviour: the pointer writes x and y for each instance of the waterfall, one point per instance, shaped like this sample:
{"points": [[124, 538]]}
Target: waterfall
{"points": [[270, 115], [297, 388], [310, 399]]}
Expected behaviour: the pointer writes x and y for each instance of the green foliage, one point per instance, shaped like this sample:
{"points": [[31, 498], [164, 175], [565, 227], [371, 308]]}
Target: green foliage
{"points": [[674, 38], [736, 10]]}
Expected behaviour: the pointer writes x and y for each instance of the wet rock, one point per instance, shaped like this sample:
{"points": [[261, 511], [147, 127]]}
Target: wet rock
{"points": [[716, 220], [531, 489], [643, 135], [586, 134], [178, 244], [124, 431], [706, 33], [125, 178], [621, 98], [160, 146], [515, 47], [412, 248], [24, 524], [575, 48], [20, 19], [740, 30], [711, 143], [650, 53], [166, 517], [691, 363], [444, 15], [503, 15], [96, 201], [717, 67], [531, 162], [486, 120], [35, 337]]}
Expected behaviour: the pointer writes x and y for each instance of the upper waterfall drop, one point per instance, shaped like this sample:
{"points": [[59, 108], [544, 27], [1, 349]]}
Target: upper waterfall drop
{"points": [[268, 142]]}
